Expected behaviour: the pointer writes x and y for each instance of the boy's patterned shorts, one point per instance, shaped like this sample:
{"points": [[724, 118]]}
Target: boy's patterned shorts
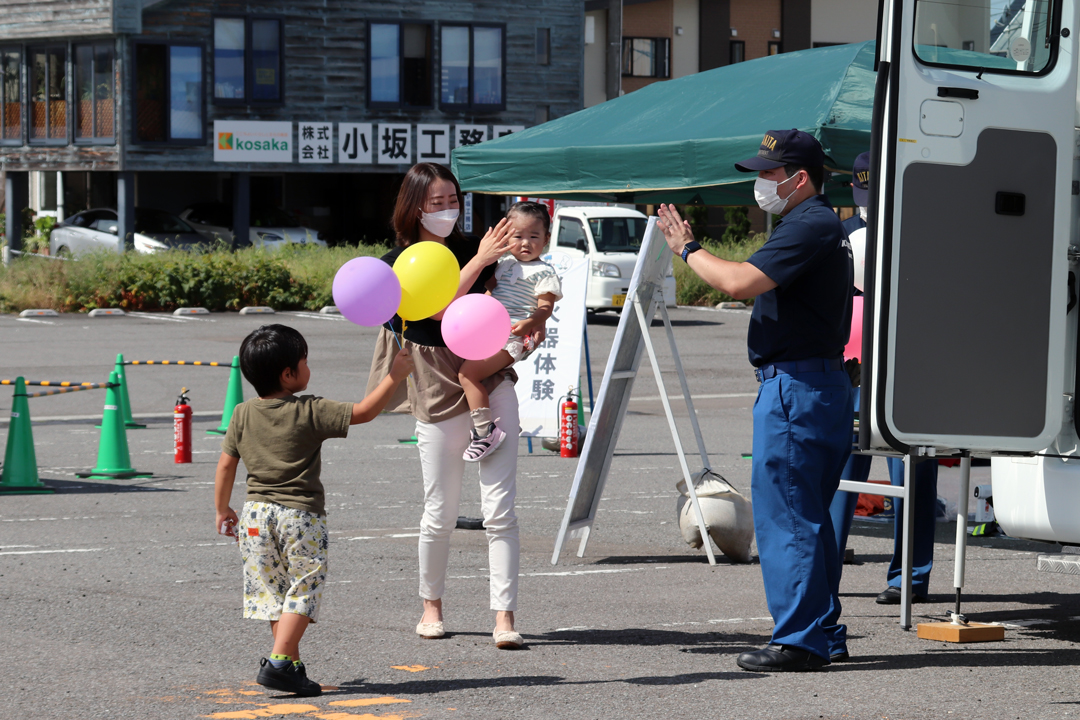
{"points": [[285, 560]]}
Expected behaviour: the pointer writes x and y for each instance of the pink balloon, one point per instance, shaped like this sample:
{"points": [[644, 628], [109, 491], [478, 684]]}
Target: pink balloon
{"points": [[366, 291], [854, 346], [475, 326]]}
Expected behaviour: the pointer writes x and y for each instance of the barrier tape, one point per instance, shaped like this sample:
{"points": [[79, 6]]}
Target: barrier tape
{"points": [[178, 362], [61, 391], [50, 383]]}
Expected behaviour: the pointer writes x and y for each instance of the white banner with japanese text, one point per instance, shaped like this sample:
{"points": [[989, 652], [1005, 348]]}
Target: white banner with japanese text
{"points": [[554, 368], [355, 143], [316, 142], [394, 144]]}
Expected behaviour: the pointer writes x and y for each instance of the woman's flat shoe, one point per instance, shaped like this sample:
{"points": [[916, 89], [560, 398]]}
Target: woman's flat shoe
{"points": [[507, 640], [430, 631]]}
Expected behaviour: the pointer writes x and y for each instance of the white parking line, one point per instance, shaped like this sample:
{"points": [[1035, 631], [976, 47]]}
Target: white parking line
{"points": [[717, 396], [32, 320], [315, 316], [154, 316], [49, 552]]}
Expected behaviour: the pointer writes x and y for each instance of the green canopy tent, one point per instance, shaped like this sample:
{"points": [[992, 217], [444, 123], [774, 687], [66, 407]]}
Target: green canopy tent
{"points": [[678, 141]]}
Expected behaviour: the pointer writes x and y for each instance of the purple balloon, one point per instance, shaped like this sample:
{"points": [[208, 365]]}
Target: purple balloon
{"points": [[475, 326], [366, 291]]}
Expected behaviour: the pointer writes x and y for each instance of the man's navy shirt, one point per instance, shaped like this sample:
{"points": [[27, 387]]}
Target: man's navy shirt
{"points": [[808, 313]]}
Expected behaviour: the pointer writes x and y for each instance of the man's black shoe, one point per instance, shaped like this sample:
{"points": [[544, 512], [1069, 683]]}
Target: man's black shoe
{"points": [[839, 657], [891, 596], [290, 679], [780, 658]]}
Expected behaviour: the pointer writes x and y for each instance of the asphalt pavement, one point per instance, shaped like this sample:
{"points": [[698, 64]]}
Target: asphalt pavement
{"points": [[118, 600]]}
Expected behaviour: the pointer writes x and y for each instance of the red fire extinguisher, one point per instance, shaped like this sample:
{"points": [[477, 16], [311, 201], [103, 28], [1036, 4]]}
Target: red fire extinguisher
{"points": [[182, 428], [568, 426]]}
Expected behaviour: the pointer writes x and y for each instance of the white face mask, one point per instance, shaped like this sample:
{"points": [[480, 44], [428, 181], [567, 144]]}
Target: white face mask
{"points": [[862, 213], [439, 224], [767, 199]]}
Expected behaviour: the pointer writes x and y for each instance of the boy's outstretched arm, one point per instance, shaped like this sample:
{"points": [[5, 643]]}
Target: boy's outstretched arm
{"points": [[369, 408], [223, 487]]}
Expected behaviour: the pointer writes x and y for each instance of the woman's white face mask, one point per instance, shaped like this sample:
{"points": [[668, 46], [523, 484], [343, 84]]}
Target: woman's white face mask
{"points": [[439, 224], [767, 197]]}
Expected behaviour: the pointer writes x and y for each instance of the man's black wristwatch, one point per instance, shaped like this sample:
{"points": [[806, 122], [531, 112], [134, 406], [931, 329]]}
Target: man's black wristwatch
{"points": [[692, 246]]}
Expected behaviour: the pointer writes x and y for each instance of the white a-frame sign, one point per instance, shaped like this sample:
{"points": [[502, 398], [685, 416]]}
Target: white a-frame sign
{"points": [[642, 300]]}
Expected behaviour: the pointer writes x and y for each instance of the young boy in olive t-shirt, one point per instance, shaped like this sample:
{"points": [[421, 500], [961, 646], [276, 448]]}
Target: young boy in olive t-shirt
{"points": [[282, 528]]}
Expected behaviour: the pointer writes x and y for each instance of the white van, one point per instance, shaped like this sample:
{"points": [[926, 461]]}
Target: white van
{"points": [[610, 237]]}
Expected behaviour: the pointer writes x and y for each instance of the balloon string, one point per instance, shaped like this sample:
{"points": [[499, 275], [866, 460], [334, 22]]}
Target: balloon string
{"points": [[401, 347]]}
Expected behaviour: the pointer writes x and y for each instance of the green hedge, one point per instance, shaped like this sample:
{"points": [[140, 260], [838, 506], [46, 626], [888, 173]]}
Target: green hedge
{"points": [[295, 278], [298, 277]]}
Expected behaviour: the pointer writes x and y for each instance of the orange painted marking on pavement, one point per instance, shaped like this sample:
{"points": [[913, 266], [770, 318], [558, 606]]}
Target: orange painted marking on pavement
{"points": [[219, 692], [249, 692], [410, 668], [361, 702], [268, 711]]}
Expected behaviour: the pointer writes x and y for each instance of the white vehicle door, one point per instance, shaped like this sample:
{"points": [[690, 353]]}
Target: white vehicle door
{"points": [[972, 197], [103, 231], [78, 237]]}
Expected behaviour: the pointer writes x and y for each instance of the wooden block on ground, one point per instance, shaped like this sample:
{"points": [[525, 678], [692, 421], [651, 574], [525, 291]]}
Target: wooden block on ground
{"points": [[973, 632]]}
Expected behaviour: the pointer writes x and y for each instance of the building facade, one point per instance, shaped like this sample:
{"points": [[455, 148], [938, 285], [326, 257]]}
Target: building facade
{"points": [[318, 108]]}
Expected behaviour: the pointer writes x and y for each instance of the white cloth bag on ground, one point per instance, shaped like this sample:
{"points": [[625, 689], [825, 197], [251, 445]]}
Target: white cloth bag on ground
{"points": [[728, 515]]}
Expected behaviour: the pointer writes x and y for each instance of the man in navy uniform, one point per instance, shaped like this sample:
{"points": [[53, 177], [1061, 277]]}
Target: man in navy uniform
{"points": [[801, 279]]}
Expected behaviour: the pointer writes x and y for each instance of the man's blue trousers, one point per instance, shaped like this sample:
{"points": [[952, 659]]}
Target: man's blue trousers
{"points": [[802, 439]]}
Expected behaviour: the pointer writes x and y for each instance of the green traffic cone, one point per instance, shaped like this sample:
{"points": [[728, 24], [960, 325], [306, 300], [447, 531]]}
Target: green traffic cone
{"points": [[125, 398], [114, 460], [20, 462], [125, 401], [233, 397]]}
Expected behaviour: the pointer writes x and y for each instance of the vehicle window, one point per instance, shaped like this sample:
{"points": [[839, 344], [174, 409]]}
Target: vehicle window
{"points": [[82, 219], [210, 215], [570, 231], [272, 217], [618, 234], [992, 35], [156, 221], [104, 225]]}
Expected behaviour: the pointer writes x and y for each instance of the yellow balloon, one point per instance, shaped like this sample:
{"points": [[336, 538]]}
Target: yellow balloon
{"points": [[429, 276]]}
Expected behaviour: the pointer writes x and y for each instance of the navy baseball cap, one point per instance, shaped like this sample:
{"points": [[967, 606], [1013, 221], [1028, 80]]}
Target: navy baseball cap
{"points": [[860, 180], [784, 147]]}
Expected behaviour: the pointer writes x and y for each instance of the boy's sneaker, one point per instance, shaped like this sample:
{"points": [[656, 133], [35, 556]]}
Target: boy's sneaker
{"points": [[481, 447], [291, 679]]}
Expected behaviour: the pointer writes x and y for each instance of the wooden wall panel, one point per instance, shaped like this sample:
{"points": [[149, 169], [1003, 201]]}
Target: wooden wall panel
{"points": [[325, 58]]}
